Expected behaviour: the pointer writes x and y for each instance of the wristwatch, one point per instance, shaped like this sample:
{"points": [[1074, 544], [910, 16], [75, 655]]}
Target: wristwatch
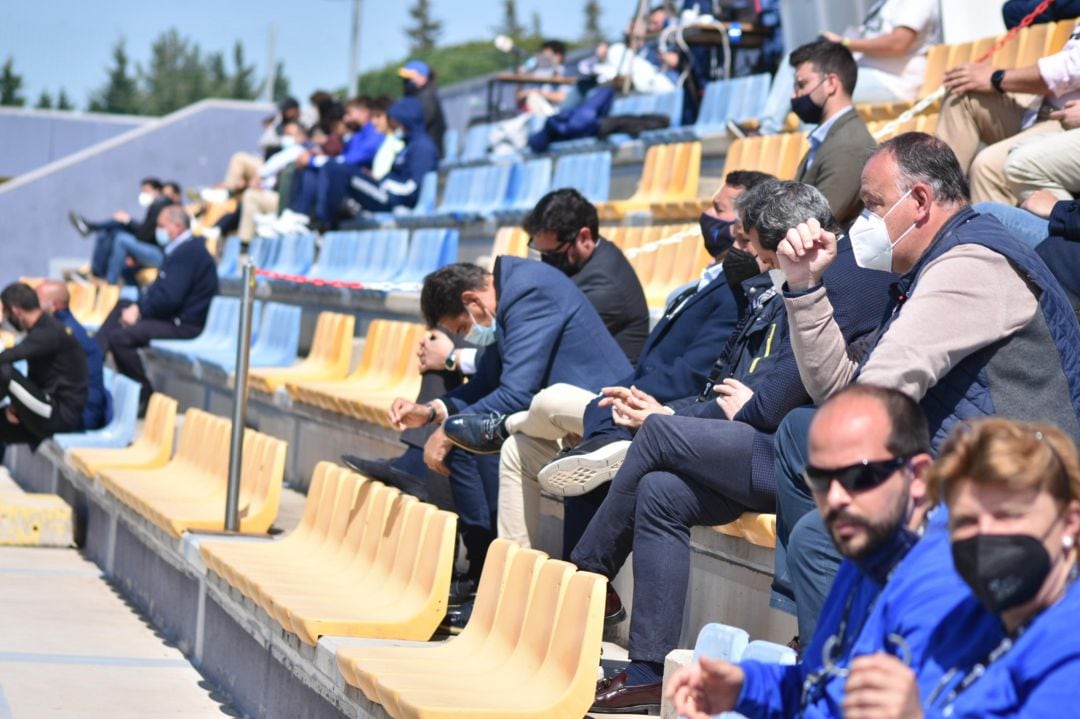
{"points": [[995, 79], [451, 361]]}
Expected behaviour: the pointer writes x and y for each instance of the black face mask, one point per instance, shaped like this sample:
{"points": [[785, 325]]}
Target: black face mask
{"points": [[560, 260], [1003, 570], [739, 266], [352, 126], [717, 233], [806, 109]]}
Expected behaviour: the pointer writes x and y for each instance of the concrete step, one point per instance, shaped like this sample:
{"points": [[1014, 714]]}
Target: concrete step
{"points": [[33, 520]]}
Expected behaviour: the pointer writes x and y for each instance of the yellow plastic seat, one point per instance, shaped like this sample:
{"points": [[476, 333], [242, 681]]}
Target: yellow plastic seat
{"points": [[308, 391], [81, 298], [689, 259], [328, 359], [1032, 43], [778, 155], [759, 529], [613, 234], [151, 450], [554, 675], [1059, 34], [669, 174], [106, 299], [679, 193]]}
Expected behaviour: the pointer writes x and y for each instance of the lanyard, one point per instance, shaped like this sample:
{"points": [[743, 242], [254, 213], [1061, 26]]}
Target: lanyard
{"points": [[970, 678], [832, 649]]}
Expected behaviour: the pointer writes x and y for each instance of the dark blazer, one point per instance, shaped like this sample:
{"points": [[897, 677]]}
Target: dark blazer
{"points": [[838, 164], [187, 280], [1061, 250], [546, 332], [144, 231], [685, 343], [610, 284]]}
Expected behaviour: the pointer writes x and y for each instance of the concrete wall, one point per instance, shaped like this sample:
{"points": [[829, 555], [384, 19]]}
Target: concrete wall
{"points": [[30, 139], [191, 146]]}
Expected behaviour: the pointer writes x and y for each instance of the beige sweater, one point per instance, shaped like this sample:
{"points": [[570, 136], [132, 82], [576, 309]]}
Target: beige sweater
{"points": [[966, 299]]}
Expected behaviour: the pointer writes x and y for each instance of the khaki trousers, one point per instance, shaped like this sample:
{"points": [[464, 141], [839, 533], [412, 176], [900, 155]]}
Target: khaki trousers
{"points": [[1048, 162], [255, 202], [534, 441], [243, 168]]}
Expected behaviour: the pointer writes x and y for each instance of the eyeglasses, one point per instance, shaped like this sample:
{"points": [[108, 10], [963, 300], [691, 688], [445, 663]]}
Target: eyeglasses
{"points": [[854, 478]]}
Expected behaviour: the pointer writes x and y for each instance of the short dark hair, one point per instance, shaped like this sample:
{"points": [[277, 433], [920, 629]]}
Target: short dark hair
{"points": [[927, 159], [829, 58], [441, 294], [556, 46], [746, 179], [773, 207], [20, 295], [152, 181], [381, 103], [174, 186], [909, 432], [564, 212], [360, 101]]}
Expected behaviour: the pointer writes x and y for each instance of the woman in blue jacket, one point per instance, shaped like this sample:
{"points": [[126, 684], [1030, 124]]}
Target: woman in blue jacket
{"points": [[1013, 494]]}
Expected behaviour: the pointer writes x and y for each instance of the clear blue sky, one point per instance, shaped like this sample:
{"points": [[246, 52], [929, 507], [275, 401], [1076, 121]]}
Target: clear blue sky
{"points": [[67, 43]]}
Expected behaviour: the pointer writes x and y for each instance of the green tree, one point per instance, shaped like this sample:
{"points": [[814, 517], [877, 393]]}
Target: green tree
{"points": [[44, 101], [593, 33], [536, 32], [63, 102], [510, 24], [242, 82], [120, 94], [281, 83], [425, 30], [217, 76], [10, 83]]}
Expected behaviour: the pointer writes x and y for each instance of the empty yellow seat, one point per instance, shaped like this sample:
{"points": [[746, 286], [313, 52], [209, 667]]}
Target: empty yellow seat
{"points": [[669, 176], [778, 155], [511, 241], [151, 450], [759, 529], [328, 359]]}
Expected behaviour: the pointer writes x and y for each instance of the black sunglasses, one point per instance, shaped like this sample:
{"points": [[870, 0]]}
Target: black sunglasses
{"points": [[854, 478]]}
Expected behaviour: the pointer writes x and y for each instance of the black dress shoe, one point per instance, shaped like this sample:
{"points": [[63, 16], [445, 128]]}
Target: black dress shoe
{"points": [[79, 223], [583, 468], [456, 618], [613, 696], [477, 433], [614, 611], [384, 471], [462, 591]]}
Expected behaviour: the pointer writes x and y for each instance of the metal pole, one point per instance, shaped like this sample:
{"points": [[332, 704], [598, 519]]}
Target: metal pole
{"points": [[354, 51], [243, 351]]}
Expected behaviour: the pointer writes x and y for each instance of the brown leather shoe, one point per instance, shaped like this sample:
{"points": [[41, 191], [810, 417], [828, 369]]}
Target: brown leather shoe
{"points": [[614, 612], [614, 697]]}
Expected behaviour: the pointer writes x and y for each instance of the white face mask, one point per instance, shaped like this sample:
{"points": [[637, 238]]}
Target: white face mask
{"points": [[146, 199], [161, 236], [870, 239], [288, 141], [478, 334]]}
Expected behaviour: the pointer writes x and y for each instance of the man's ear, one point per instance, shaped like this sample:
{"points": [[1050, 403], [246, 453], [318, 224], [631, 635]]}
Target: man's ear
{"points": [[921, 192]]}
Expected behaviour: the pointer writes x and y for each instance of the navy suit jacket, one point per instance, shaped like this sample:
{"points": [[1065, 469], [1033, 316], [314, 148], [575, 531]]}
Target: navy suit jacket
{"points": [[546, 332], [683, 346]]}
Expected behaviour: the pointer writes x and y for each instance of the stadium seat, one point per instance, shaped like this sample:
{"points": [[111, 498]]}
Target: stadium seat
{"points": [[738, 99], [218, 340], [117, 433], [759, 529], [429, 249], [81, 298], [336, 255], [669, 175], [151, 450], [451, 145], [380, 255], [679, 201], [511, 241], [228, 266], [778, 155], [587, 172], [104, 302], [475, 147], [275, 343], [293, 254], [529, 181], [328, 358]]}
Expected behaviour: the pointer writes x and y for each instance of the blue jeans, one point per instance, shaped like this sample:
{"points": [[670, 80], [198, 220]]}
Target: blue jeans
{"points": [[474, 484], [127, 245], [305, 189], [1028, 226]]}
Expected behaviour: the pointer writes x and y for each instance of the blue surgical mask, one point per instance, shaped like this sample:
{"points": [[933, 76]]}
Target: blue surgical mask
{"points": [[478, 334], [161, 236], [288, 141]]}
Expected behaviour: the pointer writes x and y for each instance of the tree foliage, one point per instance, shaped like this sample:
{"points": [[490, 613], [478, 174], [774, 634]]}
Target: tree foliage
{"points": [[63, 102], [510, 24], [425, 30], [10, 84], [120, 93], [281, 83], [593, 32], [44, 101]]}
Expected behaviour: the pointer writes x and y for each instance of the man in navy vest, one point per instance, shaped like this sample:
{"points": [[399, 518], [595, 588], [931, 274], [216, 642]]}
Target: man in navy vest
{"points": [[977, 326]]}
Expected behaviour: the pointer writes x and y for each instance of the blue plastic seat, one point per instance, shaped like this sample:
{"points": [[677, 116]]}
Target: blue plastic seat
{"points": [[121, 430], [229, 264], [336, 255], [475, 148], [589, 173], [429, 249], [295, 254], [223, 312], [387, 259], [219, 337], [528, 182], [276, 343], [489, 190], [451, 145]]}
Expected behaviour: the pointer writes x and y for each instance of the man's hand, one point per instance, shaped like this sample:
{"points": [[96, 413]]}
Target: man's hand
{"points": [[1040, 203], [805, 253], [303, 159], [405, 414], [704, 688], [435, 451], [434, 349], [121, 216], [631, 395], [880, 686], [969, 77], [129, 315], [731, 396], [9, 412], [1068, 116]]}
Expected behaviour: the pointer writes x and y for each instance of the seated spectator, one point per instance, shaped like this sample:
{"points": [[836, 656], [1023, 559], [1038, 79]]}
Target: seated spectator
{"points": [[256, 182], [173, 307], [401, 187], [993, 106], [637, 59], [825, 78], [978, 325], [1013, 11], [1046, 165], [418, 80], [53, 299], [544, 100], [539, 329], [391, 145], [121, 237], [173, 191], [1012, 490], [273, 130], [51, 396]]}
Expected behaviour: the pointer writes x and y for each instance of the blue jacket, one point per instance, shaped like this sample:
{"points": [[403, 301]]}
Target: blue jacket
{"points": [[1038, 677], [401, 186], [187, 280], [96, 411], [546, 332], [1061, 250], [1034, 374], [361, 148]]}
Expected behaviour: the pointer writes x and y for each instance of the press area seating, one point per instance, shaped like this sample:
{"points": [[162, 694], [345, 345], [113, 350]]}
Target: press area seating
{"points": [[530, 648], [669, 104], [365, 561], [188, 492]]}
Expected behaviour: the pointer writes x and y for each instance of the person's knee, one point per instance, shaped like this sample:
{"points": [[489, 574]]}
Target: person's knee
{"points": [[809, 546], [551, 400], [661, 501], [7, 373], [123, 338]]}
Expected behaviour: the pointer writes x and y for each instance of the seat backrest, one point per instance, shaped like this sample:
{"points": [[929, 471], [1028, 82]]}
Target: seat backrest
{"points": [[476, 142], [429, 189], [316, 487], [1032, 42], [574, 652], [435, 554], [494, 578], [456, 191], [159, 428], [451, 142], [514, 601], [395, 250], [1059, 34], [541, 616], [937, 59], [230, 257]]}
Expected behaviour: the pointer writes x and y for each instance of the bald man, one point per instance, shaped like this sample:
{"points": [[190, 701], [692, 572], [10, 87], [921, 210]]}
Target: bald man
{"points": [[54, 298]]}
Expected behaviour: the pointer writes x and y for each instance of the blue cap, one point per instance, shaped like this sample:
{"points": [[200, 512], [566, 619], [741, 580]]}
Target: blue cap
{"points": [[413, 68]]}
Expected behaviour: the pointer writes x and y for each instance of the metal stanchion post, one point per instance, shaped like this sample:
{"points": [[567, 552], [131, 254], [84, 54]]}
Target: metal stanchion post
{"points": [[239, 415]]}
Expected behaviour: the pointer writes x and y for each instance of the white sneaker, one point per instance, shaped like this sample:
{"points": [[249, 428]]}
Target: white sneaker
{"points": [[579, 472], [214, 194]]}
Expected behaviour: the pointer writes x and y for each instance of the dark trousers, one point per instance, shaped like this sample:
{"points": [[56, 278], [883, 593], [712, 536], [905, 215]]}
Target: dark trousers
{"points": [[368, 193], [39, 415], [680, 472], [124, 343], [304, 190], [333, 183], [474, 483], [806, 558], [104, 238]]}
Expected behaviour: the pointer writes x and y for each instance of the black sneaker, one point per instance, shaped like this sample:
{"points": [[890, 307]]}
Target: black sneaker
{"points": [[384, 471], [456, 618], [79, 223], [585, 467], [477, 433]]}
